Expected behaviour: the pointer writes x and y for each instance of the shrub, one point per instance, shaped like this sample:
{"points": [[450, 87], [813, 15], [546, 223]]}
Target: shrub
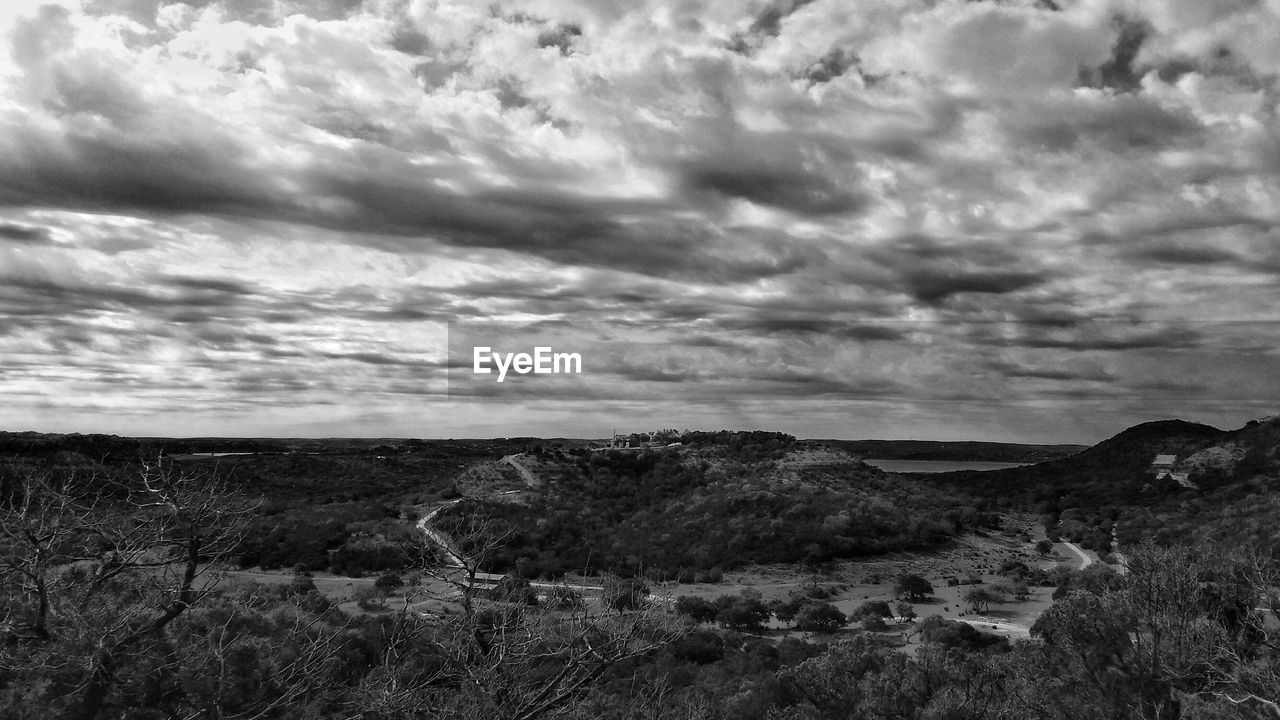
{"points": [[913, 587], [876, 608], [904, 610], [388, 582], [820, 617], [874, 623], [953, 634], [301, 585], [744, 614], [699, 609]]}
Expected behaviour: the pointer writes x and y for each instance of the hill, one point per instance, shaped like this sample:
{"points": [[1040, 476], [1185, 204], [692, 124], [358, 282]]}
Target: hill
{"points": [[1234, 498], [711, 504], [1115, 471]]}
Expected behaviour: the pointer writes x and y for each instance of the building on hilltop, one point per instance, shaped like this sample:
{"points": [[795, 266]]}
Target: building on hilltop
{"points": [[1163, 465]]}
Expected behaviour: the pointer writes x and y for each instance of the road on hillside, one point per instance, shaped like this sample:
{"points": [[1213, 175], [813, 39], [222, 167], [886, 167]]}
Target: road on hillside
{"points": [[1085, 560], [456, 560], [529, 479]]}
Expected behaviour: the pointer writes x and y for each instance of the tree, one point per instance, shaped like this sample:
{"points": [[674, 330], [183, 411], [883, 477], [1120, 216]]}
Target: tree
{"points": [[512, 661], [874, 623], [980, 598], [954, 634], [913, 587], [785, 610], [1044, 547], [904, 610], [820, 617], [107, 566], [626, 594], [746, 613], [388, 582], [699, 609], [877, 608]]}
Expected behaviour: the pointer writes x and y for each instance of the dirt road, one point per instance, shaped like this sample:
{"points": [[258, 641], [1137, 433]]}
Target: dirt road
{"points": [[1085, 560], [528, 476]]}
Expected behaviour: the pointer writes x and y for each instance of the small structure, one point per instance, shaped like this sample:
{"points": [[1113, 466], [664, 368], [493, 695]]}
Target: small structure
{"points": [[1163, 465]]}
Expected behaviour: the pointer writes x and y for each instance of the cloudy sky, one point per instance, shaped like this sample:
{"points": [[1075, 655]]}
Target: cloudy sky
{"points": [[1039, 220]]}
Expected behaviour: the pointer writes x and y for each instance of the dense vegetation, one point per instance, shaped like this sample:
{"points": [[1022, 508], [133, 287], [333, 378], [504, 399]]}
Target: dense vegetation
{"points": [[1111, 486], [717, 502], [1188, 634]]}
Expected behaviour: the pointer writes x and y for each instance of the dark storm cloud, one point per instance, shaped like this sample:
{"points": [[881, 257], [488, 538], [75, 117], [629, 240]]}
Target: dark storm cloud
{"points": [[835, 63], [210, 286], [1120, 123], [408, 39], [768, 24], [1111, 336], [163, 174], [932, 271], [561, 37], [933, 285], [172, 176], [791, 189], [25, 234], [811, 325], [1074, 373], [1119, 72], [178, 300], [1167, 253]]}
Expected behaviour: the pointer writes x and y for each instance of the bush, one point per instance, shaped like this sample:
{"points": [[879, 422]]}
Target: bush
{"points": [[786, 610], [628, 594], [820, 617], [953, 634], [874, 623], [913, 587], [980, 598], [564, 598], [746, 613], [871, 608], [369, 598], [514, 589], [301, 585], [699, 609], [388, 582], [904, 610]]}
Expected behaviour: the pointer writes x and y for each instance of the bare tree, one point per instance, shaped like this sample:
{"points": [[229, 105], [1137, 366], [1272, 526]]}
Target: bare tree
{"points": [[73, 544], [514, 661]]}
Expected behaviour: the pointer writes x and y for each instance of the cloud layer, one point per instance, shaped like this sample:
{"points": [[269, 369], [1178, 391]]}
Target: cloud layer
{"points": [[1034, 220]]}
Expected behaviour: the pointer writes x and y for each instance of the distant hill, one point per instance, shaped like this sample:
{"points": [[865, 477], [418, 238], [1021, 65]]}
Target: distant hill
{"points": [[1237, 473], [1239, 455], [955, 451], [714, 502], [1112, 472]]}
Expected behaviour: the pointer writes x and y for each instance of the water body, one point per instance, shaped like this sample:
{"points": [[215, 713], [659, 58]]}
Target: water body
{"points": [[937, 466]]}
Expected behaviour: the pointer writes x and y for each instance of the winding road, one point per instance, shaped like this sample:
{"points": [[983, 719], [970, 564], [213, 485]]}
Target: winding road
{"points": [[529, 478], [454, 557], [1085, 560]]}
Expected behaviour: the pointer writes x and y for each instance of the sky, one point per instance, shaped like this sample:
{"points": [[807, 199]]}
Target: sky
{"points": [[1034, 221]]}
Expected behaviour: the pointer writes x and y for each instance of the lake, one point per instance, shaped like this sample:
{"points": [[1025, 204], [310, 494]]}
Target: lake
{"points": [[937, 466]]}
